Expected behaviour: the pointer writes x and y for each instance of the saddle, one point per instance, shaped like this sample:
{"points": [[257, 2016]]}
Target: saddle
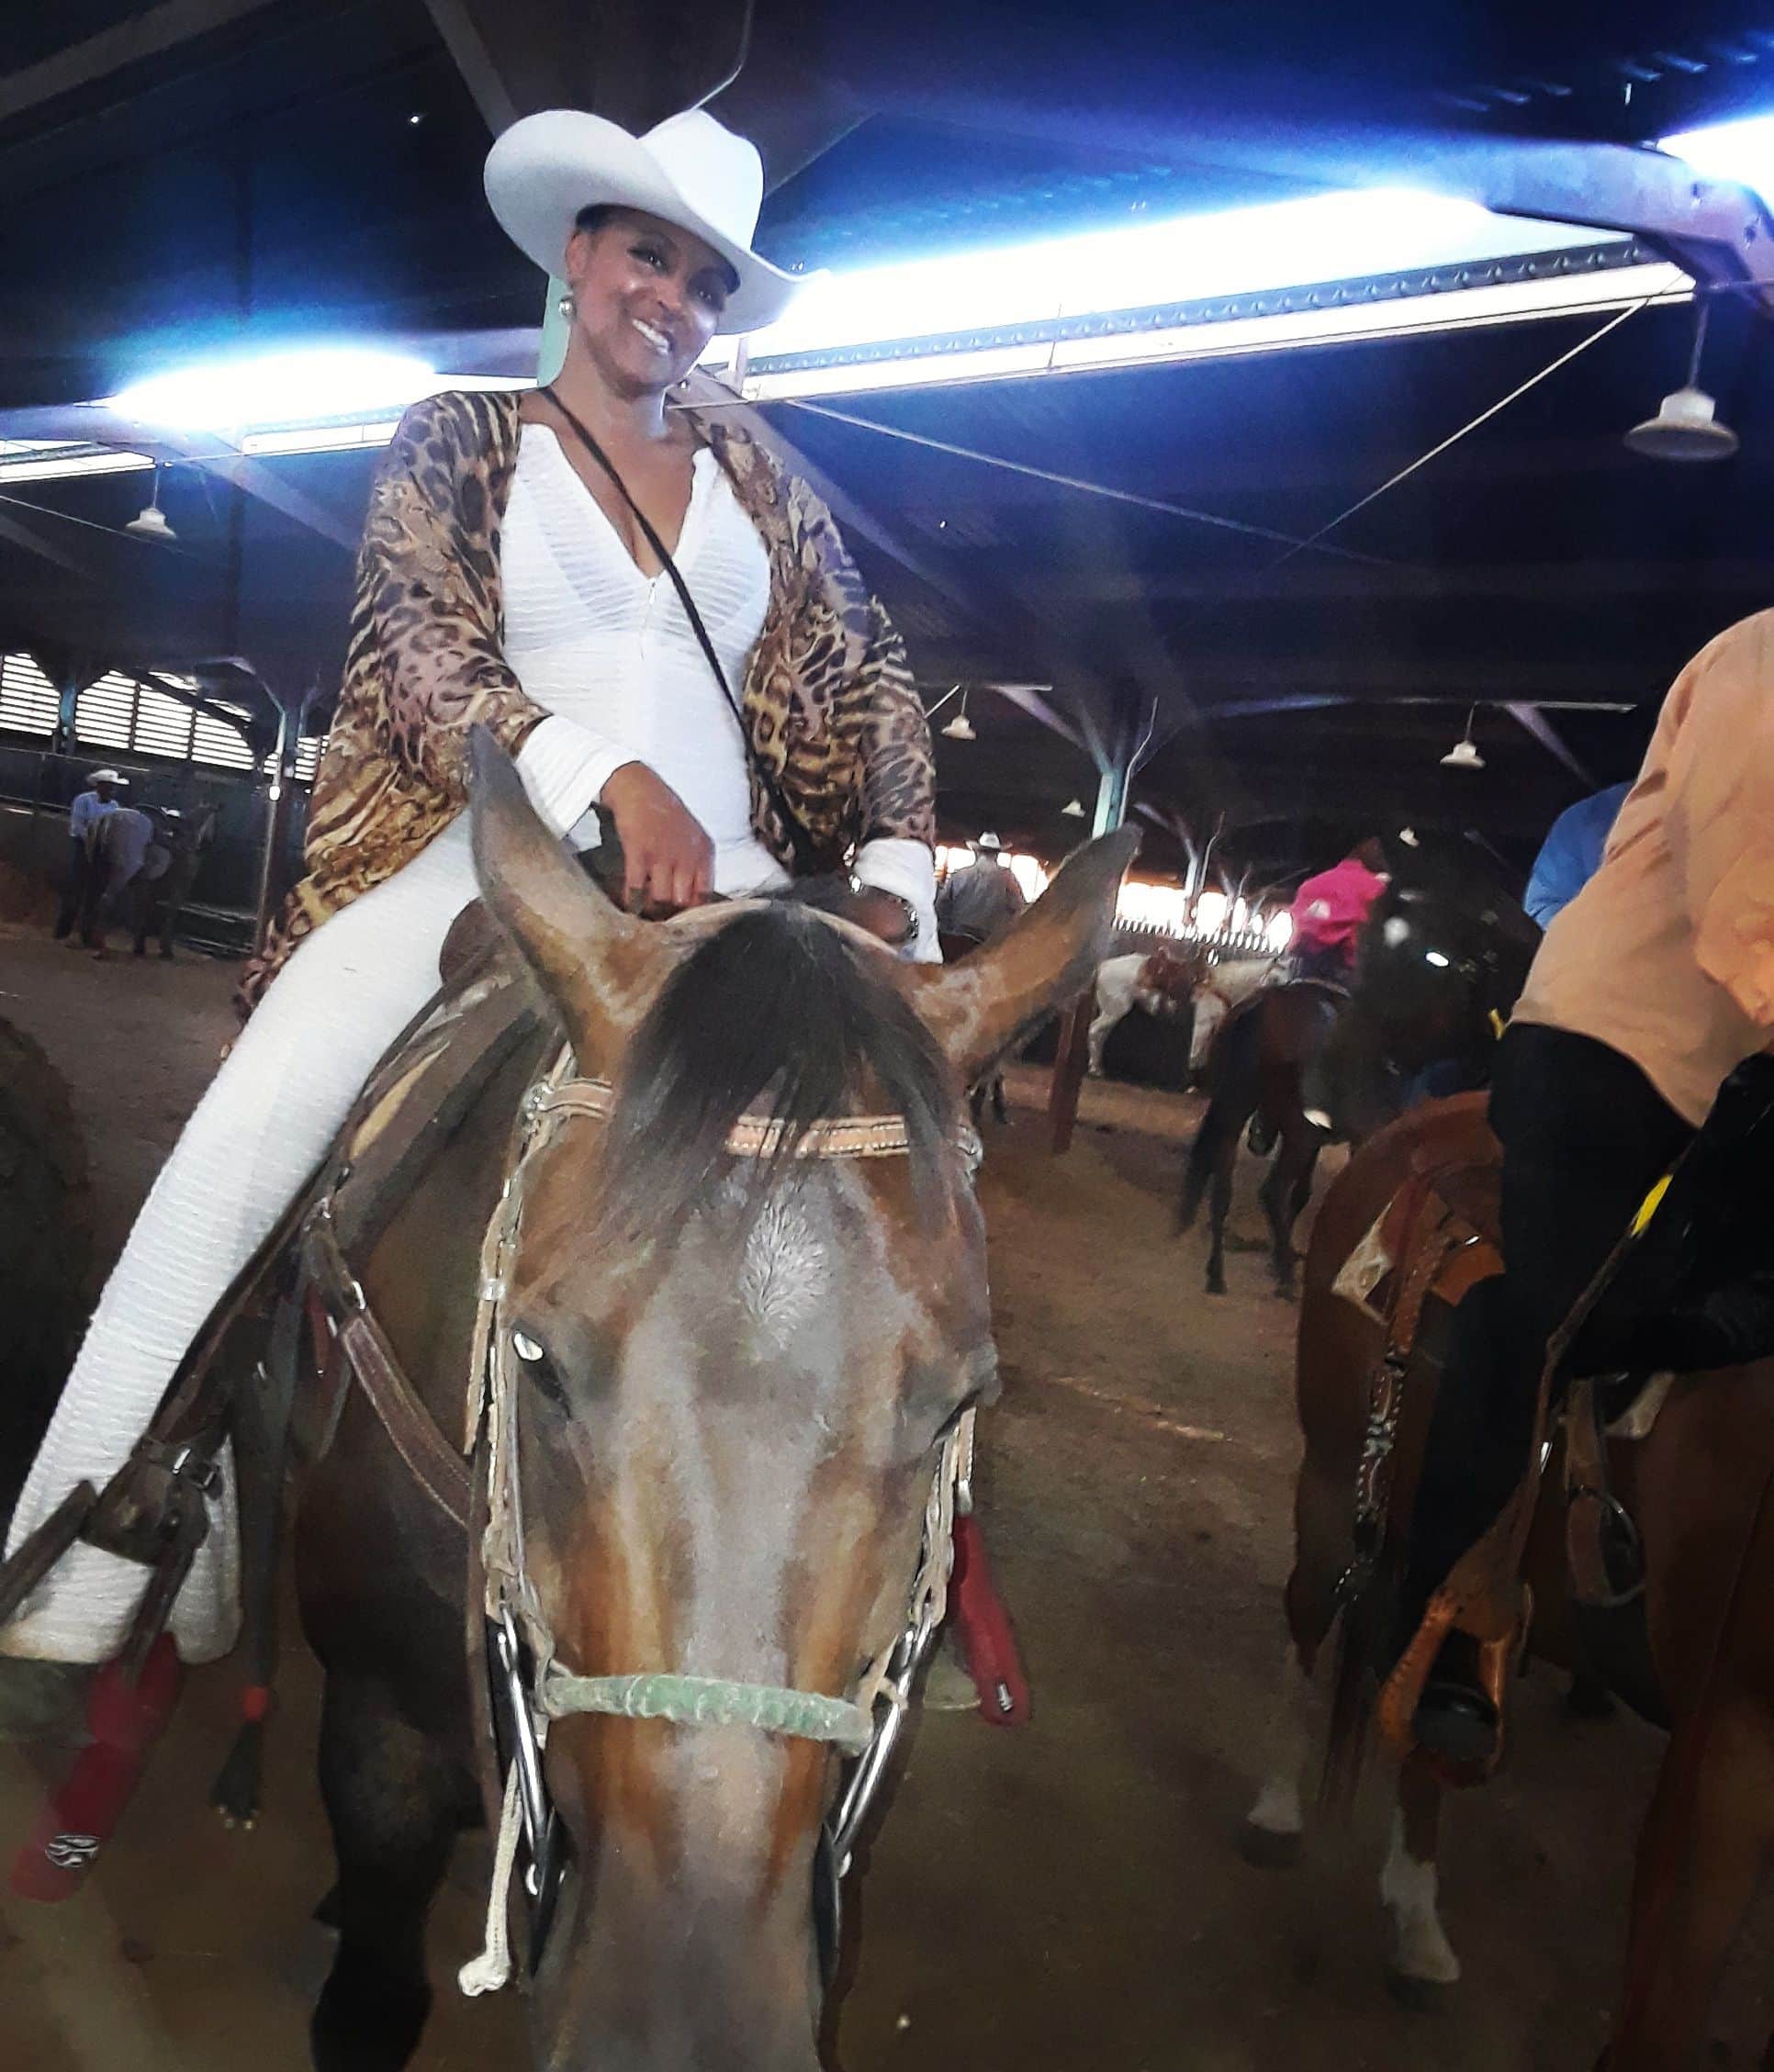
{"points": [[238, 1383], [1437, 1239]]}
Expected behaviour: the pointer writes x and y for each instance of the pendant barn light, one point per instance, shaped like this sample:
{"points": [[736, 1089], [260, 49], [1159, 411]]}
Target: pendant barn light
{"points": [[1686, 427], [960, 728], [1464, 754], [150, 522], [1074, 808]]}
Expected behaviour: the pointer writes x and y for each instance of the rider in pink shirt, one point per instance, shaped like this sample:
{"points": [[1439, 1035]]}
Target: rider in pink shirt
{"points": [[1330, 911]]}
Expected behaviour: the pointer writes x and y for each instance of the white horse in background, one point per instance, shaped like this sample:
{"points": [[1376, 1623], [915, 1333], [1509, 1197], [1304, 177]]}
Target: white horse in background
{"points": [[1162, 982], [1228, 986]]}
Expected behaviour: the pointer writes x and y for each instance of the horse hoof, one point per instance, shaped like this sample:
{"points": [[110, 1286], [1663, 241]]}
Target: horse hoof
{"points": [[1269, 1849], [1216, 1284], [1421, 1996], [367, 2021], [1589, 1699]]}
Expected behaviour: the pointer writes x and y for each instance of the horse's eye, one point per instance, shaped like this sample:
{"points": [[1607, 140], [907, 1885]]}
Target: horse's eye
{"points": [[533, 1356]]}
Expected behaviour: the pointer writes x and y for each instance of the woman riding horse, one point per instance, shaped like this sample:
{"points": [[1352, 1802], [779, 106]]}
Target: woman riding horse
{"points": [[657, 621], [1650, 987]]}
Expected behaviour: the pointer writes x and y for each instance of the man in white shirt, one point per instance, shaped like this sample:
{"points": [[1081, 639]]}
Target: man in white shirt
{"points": [[98, 799]]}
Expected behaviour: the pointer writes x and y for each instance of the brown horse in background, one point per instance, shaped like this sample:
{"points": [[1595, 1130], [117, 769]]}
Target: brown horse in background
{"points": [[1441, 961], [1258, 1067], [731, 1377], [1699, 1488]]}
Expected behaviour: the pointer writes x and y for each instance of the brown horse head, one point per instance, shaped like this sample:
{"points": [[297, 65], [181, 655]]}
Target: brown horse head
{"points": [[744, 1367]]}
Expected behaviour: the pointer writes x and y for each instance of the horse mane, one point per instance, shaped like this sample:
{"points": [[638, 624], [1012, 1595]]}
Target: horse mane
{"points": [[777, 1013]]}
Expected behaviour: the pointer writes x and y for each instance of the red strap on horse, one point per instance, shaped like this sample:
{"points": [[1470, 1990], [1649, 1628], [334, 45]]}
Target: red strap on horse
{"points": [[125, 1718], [983, 1626]]}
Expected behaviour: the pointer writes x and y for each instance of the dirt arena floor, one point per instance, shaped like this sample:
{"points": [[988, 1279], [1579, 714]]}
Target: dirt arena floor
{"points": [[1066, 1898]]}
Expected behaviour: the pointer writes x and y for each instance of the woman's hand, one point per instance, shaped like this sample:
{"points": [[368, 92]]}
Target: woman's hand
{"points": [[668, 860], [882, 914]]}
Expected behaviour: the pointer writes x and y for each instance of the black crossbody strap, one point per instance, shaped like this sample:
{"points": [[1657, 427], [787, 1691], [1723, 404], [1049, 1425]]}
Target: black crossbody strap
{"points": [[805, 859]]}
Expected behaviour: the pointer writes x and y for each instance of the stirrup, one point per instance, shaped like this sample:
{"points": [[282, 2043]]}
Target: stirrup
{"points": [[1404, 1688]]}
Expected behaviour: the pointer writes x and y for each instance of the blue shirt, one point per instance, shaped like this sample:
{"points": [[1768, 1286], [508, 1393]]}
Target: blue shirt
{"points": [[1572, 851], [87, 809]]}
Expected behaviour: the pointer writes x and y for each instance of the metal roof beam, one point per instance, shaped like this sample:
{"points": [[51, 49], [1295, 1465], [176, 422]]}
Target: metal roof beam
{"points": [[1379, 702], [148, 34], [1534, 723], [20, 534], [1033, 699], [90, 424]]}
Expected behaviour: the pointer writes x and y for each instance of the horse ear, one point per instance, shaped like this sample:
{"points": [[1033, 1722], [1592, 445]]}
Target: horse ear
{"points": [[979, 1007], [600, 967]]}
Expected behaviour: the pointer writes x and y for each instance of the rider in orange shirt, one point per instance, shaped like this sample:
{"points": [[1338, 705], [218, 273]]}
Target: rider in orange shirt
{"points": [[1649, 993]]}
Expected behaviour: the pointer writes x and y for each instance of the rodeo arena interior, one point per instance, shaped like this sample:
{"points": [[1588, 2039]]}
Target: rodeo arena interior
{"points": [[886, 976]]}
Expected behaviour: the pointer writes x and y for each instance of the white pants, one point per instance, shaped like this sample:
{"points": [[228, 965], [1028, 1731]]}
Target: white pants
{"points": [[265, 1122]]}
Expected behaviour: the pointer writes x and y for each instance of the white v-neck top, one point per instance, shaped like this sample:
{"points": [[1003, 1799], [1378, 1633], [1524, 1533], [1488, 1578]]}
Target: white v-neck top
{"points": [[612, 655]]}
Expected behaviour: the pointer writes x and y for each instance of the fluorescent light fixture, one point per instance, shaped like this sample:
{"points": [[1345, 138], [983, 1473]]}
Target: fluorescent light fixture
{"points": [[1308, 320], [1740, 150], [277, 388], [23, 460], [321, 439], [994, 363], [1225, 253], [44, 460]]}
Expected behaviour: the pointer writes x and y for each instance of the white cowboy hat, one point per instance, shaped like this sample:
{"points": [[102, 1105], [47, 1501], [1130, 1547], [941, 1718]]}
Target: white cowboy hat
{"points": [[988, 841], [108, 777], [691, 171]]}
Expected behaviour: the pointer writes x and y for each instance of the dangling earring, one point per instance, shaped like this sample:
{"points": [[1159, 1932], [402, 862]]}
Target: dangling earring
{"points": [[566, 306]]}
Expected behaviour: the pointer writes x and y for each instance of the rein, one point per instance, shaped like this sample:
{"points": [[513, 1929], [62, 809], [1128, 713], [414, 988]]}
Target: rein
{"points": [[529, 1685]]}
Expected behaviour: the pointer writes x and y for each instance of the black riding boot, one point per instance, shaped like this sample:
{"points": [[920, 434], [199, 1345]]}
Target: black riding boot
{"points": [[1473, 1455], [1583, 1135]]}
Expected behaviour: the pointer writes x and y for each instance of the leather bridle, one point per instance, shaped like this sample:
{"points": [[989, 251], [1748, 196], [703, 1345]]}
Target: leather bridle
{"points": [[516, 1664]]}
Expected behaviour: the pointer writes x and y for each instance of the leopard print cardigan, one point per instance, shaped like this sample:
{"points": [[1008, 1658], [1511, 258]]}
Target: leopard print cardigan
{"points": [[828, 699]]}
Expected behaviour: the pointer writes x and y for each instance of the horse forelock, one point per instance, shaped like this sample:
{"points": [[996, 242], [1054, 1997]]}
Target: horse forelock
{"points": [[777, 1013]]}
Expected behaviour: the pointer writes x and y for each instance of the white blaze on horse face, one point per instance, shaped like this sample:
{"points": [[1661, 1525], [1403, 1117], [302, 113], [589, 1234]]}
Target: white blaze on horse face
{"points": [[1394, 930], [758, 1361], [786, 1272]]}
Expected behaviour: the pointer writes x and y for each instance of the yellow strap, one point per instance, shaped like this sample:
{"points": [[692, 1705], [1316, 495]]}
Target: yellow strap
{"points": [[1649, 1207], [1497, 1025]]}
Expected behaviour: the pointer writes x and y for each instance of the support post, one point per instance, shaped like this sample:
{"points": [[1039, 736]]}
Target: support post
{"points": [[1114, 752]]}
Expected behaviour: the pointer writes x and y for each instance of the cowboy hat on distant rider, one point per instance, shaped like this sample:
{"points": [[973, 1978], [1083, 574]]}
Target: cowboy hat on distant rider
{"points": [[651, 615]]}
